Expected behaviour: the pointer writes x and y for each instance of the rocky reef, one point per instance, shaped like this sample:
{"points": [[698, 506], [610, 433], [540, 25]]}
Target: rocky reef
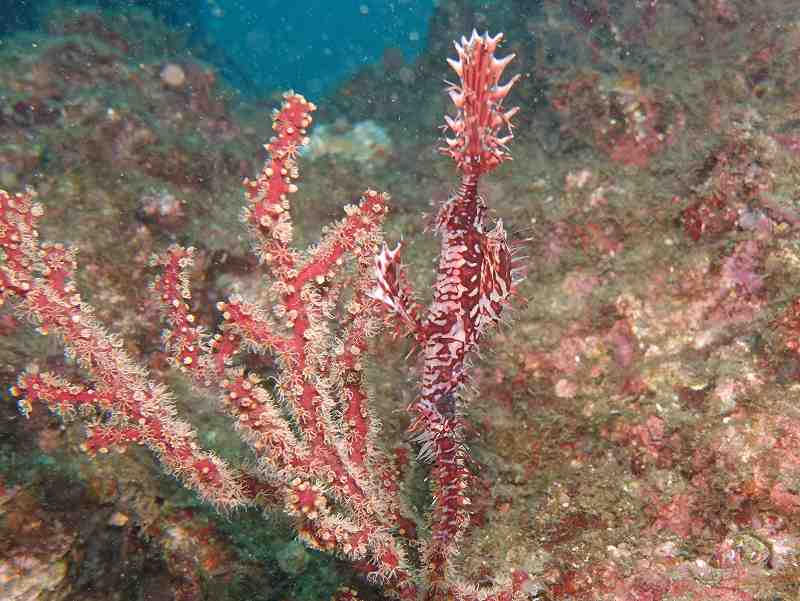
{"points": [[636, 429]]}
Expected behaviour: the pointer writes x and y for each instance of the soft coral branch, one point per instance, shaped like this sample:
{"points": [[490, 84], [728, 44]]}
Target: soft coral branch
{"points": [[313, 429]]}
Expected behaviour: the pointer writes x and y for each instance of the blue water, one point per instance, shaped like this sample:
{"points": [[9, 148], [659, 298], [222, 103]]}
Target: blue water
{"points": [[315, 43], [263, 45]]}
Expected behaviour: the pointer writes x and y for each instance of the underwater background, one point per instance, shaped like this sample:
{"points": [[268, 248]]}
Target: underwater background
{"points": [[635, 428], [262, 46]]}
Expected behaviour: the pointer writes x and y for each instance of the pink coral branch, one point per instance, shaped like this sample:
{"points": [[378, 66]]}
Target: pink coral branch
{"points": [[40, 277], [313, 431]]}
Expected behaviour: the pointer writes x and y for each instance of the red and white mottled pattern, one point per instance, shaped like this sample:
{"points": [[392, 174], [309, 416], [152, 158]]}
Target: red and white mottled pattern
{"points": [[473, 284]]}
